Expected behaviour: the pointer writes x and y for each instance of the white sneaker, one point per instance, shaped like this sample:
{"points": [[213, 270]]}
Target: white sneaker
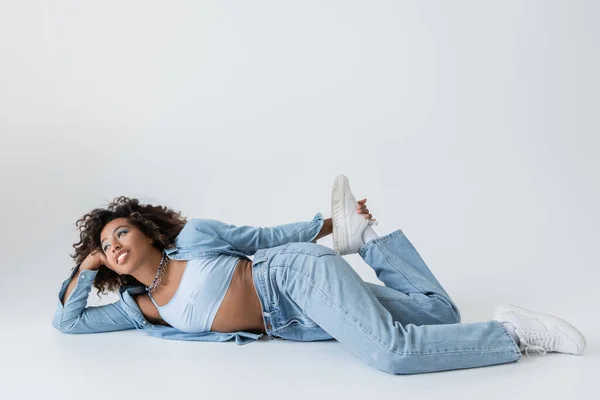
{"points": [[541, 332], [348, 224]]}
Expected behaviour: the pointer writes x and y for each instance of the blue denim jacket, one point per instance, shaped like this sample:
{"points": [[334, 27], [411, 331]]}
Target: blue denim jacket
{"points": [[198, 238]]}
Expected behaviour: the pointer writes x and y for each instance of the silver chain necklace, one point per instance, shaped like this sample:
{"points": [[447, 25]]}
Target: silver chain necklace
{"points": [[164, 262]]}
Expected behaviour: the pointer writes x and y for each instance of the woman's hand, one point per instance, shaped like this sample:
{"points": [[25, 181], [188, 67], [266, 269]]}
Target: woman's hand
{"points": [[361, 208], [94, 260], [327, 228]]}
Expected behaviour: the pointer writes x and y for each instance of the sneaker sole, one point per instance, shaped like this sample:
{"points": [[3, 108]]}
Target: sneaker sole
{"points": [[567, 328], [338, 195]]}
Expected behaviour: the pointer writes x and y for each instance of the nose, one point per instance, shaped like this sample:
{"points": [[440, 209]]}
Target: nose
{"points": [[116, 248]]}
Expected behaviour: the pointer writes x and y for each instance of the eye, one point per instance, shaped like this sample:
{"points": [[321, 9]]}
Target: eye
{"points": [[118, 235]]}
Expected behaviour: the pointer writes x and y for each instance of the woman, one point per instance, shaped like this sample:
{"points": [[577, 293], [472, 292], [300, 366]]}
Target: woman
{"points": [[193, 280]]}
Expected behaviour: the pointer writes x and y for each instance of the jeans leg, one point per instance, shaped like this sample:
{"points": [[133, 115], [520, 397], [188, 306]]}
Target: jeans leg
{"points": [[414, 308], [400, 267], [329, 292]]}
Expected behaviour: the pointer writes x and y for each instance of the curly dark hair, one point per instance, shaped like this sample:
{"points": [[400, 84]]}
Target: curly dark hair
{"points": [[159, 223]]}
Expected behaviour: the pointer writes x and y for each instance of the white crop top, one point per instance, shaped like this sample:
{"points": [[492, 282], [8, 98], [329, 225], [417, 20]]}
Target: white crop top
{"points": [[201, 291]]}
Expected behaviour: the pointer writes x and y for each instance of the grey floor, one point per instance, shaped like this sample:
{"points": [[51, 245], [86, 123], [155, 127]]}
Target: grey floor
{"points": [[130, 365], [471, 125], [40, 360]]}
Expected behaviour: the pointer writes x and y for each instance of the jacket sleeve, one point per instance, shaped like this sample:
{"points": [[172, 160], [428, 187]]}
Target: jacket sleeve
{"points": [[249, 239], [75, 317], [241, 337]]}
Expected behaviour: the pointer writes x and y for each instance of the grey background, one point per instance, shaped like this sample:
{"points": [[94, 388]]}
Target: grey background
{"points": [[471, 125]]}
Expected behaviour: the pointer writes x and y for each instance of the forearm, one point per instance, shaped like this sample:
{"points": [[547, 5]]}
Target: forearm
{"points": [[84, 266], [327, 229], [71, 286]]}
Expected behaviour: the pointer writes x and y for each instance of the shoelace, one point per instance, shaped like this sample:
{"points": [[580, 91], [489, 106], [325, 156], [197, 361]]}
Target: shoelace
{"points": [[538, 341]]}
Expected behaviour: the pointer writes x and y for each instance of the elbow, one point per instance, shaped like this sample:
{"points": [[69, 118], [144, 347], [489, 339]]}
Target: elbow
{"points": [[63, 326], [57, 325], [56, 321]]}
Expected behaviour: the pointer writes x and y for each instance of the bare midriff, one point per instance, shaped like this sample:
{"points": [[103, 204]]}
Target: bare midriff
{"points": [[240, 310]]}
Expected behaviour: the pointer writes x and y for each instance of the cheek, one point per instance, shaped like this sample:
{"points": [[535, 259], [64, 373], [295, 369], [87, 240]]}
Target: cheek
{"points": [[141, 245]]}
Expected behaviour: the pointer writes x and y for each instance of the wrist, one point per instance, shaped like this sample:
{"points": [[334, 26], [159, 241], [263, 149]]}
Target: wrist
{"points": [[86, 267], [326, 229]]}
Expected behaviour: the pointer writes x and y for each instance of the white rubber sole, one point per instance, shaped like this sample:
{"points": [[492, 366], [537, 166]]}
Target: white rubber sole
{"points": [[560, 323], [338, 196]]}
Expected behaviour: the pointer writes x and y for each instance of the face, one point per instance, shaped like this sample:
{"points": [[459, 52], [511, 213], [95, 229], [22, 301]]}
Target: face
{"points": [[120, 235]]}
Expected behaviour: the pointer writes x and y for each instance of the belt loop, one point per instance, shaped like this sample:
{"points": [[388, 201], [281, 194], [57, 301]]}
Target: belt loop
{"points": [[259, 256]]}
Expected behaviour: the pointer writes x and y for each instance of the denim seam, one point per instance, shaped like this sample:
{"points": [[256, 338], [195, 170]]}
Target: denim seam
{"points": [[475, 350], [317, 221], [325, 252], [286, 240], [409, 301], [66, 322], [293, 321], [267, 290]]}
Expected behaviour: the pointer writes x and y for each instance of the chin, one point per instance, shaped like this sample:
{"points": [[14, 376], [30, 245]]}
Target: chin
{"points": [[119, 271], [125, 271]]}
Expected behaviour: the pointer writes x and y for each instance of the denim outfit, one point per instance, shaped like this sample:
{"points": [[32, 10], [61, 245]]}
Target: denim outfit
{"points": [[408, 326], [308, 292], [199, 238]]}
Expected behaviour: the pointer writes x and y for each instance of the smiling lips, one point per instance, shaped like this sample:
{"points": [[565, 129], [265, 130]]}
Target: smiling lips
{"points": [[121, 257]]}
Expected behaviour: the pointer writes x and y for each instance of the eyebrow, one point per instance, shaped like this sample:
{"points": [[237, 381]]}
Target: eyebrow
{"points": [[120, 226]]}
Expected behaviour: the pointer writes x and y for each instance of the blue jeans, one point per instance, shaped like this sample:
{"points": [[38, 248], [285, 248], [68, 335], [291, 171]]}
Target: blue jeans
{"points": [[408, 326]]}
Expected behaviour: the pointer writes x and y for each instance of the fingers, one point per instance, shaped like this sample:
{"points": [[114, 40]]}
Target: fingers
{"points": [[362, 204], [362, 208]]}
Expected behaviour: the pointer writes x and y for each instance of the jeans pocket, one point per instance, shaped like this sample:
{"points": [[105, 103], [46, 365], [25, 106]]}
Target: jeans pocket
{"points": [[273, 288]]}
